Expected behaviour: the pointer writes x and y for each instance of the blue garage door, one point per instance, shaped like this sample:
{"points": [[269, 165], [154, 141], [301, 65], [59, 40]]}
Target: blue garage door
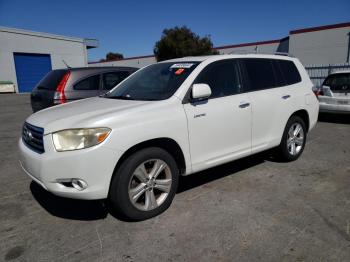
{"points": [[30, 69]]}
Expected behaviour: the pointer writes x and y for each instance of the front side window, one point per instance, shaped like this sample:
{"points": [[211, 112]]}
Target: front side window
{"points": [[155, 82], [112, 79], [90, 83], [222, 78]]}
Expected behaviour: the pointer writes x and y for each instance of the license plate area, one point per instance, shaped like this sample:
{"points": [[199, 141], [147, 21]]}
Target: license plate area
{"points": [[343, 102]]}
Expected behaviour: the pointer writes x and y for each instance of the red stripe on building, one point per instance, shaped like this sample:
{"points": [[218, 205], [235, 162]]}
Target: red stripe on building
{"points": [[319, 28]]}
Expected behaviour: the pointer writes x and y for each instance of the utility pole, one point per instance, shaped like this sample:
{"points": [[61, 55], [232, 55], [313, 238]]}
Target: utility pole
{"points": [[348, 54]]}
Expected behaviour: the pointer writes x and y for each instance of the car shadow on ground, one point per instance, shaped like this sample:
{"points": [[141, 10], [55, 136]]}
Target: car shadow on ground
{"points": [[218, 172], [68, 208], [87, 210], [334, 118]]}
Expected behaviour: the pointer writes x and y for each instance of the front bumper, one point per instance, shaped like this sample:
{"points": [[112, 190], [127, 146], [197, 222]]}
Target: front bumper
{"points": [[94, 165]]}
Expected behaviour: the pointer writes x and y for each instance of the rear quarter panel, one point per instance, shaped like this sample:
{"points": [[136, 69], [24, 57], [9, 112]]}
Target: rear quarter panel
{"points": [[310, 102], [301, 98]]}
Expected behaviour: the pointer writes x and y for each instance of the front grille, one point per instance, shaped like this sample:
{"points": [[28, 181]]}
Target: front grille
{"points": [[33, 137]]}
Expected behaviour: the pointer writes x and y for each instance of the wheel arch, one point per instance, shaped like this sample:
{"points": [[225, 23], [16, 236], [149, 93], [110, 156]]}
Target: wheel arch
{"points": [[304, 115], [168, 144]]}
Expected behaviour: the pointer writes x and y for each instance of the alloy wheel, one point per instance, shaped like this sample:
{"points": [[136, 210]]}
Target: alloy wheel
{"points": [[295, 140], [150, 184]]}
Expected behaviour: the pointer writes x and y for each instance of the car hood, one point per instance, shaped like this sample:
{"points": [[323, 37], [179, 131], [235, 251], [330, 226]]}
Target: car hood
{"points": [[91, 112]]}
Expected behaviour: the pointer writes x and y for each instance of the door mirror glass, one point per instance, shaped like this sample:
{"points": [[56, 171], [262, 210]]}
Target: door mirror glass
{"points": [[200, 91]]}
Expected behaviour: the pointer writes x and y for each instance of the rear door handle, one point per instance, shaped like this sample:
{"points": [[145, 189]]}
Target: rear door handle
{"points": [[286, 97], [244, 105]]}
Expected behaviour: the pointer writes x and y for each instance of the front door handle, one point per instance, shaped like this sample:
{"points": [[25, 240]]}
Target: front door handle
{"points": [[244, 105], [286, 97]]}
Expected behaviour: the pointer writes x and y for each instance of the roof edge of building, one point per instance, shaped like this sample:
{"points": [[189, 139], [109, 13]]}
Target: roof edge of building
{"points": [[42, 34], [319, 28], [127, 58], [275, 41]]}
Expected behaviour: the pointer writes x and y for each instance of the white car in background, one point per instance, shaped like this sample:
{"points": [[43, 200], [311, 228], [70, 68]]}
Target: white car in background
{"points": [[169, 119], [334, 94]]}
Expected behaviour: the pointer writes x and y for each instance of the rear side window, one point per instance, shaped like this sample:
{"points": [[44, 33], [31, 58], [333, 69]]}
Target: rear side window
{"points": [[279, 76], [90, 83], [290, 72], [51, 80], [222, 77], [112, 79], [260, 74], [269, 73]]}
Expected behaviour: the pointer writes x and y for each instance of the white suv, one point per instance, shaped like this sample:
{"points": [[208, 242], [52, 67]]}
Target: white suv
{"points": [[168, 119]]}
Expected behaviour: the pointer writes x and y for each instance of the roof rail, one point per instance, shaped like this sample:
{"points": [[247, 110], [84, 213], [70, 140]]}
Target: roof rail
{"points": [[283, 53], [246, 52], [241, 52]]}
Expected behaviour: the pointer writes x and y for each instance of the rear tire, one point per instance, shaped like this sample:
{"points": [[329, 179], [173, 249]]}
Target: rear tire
{"points": [[293, 140], [144, 185]]}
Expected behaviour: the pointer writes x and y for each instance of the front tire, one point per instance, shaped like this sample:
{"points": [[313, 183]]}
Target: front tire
{"points": [[293, 140], [144, 185]]}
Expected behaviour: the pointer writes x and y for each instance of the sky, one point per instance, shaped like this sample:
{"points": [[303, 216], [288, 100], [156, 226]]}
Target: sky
{"points": [[132, 27]]}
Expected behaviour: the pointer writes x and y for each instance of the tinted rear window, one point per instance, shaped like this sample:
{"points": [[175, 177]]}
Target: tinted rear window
{"points": [[279, 76], [339, 82], [270, 73], [51, 80], [90, 83], [112, 79], [290, 72]]}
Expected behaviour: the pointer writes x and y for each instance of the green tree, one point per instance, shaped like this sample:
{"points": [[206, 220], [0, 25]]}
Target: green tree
{"points": [[111, 56], [180, 42]]}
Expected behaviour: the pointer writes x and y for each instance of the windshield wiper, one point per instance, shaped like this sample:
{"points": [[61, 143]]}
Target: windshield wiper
{"points": [[123, 97]]}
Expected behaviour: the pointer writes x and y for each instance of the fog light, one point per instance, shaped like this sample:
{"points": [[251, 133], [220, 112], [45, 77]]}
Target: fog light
{"points": [[79, 184]]}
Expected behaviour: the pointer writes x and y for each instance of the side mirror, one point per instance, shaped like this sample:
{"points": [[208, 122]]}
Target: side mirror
{"points": [[200, 91]]}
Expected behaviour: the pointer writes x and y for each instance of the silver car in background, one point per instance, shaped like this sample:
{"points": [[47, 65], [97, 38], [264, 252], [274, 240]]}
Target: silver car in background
{"points": [[64, 85], [334, 94]]}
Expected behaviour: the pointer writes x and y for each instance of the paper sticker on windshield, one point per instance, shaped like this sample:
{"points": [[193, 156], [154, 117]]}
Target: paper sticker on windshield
{"points": [[182, 65], [179, 71]]}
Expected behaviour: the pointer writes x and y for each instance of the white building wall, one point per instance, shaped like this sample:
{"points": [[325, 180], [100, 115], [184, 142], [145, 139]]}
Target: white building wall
{"points": [[320, 47], [71, 50], [259, 48], [143, 61], [137, 62]]}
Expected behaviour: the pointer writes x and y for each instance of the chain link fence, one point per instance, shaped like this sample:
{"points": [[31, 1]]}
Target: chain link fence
{"points": [[318, 73]]}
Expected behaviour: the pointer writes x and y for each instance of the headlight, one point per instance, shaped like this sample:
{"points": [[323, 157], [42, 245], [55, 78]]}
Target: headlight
{"points": [[73, 139]]}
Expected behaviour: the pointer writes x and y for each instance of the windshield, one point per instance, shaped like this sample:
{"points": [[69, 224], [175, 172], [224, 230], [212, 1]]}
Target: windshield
{"points": [[155, 82]]}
